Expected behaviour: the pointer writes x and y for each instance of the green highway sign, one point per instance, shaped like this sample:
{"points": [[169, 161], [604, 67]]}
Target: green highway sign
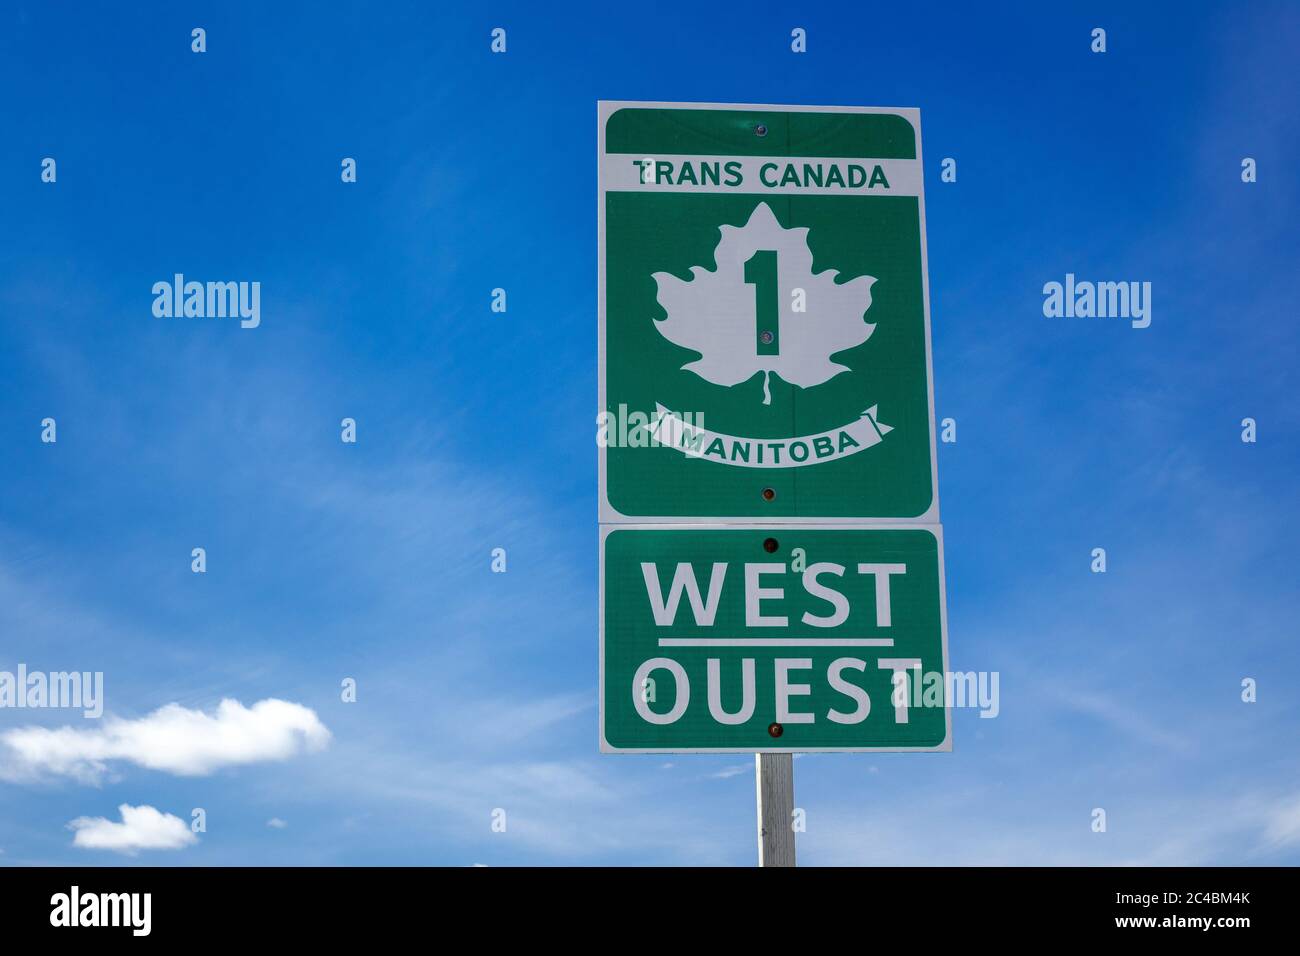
{"points": [[772, 638], [764, 315]]}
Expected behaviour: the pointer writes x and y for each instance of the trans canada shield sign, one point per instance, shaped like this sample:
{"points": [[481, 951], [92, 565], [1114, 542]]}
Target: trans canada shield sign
{"points": [[764, 315], [726, 638]]}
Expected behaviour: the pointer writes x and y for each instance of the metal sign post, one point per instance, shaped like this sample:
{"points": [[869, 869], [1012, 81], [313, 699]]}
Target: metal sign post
{"points": [[771, 551], [774, 782]]}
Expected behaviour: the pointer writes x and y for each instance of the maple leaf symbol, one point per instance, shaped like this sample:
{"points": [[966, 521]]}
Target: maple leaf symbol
{"points": [[714, 313]]}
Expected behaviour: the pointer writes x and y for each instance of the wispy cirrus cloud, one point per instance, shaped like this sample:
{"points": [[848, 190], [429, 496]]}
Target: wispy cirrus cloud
{"points": [[735, 770], [1283, 823]]}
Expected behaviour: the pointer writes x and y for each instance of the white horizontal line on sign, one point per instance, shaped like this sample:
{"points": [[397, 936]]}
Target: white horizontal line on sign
{"points": [[820, 176], [776, 642]]}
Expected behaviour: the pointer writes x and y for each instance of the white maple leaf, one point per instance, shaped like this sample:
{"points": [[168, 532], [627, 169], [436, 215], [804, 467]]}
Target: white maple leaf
{"points": [[714, 313]]}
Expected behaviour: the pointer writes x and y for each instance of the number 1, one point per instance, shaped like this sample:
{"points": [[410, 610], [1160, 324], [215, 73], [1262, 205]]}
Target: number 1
{"points": [[760, 272]]}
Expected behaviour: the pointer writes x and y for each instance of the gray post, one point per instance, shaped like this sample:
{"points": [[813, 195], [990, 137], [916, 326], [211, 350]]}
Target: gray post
{"points": [[774, 781]]}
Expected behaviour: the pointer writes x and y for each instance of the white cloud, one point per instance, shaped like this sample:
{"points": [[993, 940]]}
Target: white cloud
{"points": [[275, 823], [173, 739], [142, 828]]}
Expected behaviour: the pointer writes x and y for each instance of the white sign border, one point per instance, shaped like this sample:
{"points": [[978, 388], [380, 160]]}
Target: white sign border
{"points": [[935, 529], [607, 513]]}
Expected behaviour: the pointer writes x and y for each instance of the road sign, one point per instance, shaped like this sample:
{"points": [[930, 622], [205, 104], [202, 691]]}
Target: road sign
{"points": [[711, 636], [764, 315]]}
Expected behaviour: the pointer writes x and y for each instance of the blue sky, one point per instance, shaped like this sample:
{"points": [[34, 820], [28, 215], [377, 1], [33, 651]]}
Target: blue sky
{"points": [[371, 561]]}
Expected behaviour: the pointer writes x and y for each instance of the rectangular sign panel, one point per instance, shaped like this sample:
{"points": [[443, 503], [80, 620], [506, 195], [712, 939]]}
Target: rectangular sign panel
{"points": [[764, 315], [778, 638]]}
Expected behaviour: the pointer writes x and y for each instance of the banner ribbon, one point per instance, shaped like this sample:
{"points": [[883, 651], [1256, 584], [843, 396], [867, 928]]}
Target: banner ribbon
{"points": [[672, 431]]}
